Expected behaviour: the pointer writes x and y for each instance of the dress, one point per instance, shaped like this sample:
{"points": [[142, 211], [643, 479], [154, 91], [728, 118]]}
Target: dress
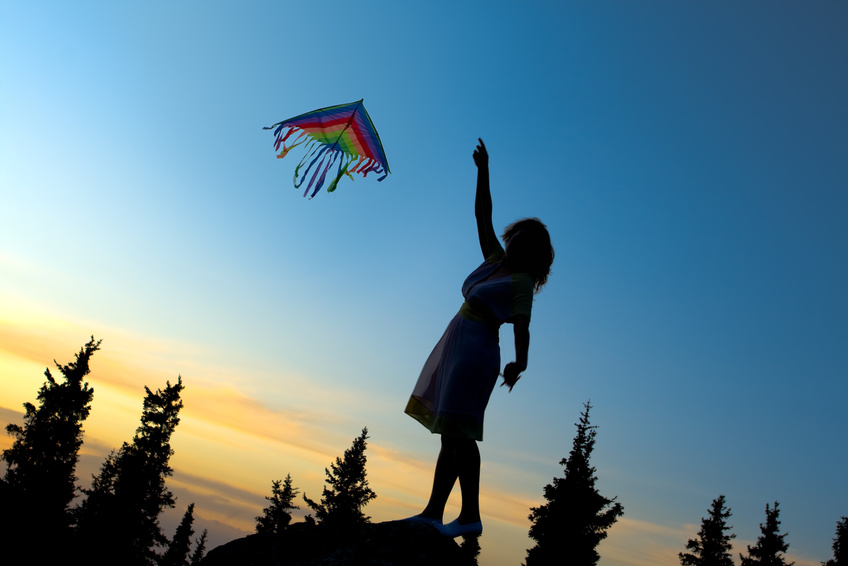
{"points": [[454, 387]]}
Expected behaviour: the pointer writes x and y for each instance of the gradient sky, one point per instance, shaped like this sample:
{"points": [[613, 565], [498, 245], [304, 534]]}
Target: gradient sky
{"points": [[689, 157]]}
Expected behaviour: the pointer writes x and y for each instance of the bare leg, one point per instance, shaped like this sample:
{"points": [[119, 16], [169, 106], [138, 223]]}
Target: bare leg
{"points": [[443, 480], [468, 464], [458, 458]]}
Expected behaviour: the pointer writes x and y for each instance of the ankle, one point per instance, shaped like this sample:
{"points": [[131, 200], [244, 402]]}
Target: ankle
{"points": [[431, 515]]}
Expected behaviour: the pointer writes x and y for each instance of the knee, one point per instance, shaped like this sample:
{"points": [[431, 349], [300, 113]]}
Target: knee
{"points": [[457, 444]]}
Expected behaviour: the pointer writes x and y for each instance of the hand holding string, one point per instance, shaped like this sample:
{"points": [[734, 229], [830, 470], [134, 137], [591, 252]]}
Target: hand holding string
{"points": [[511, 374]]}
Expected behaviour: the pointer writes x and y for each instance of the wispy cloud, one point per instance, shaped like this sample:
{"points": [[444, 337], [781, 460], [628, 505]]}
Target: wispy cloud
{"points": [[236, 437]]}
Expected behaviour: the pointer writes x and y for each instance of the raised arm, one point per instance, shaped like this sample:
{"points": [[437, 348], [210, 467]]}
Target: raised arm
{"points": [[483, 203]]}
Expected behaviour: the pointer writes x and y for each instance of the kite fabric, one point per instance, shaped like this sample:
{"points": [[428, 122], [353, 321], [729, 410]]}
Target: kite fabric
{"points": [[343, 134]]}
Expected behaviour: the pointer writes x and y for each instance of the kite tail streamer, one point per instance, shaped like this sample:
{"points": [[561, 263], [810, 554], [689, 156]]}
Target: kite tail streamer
{"points": [[299, 166], [286, 150], [372, 166], [281, 138], [312, 151], [329, 158], [355, 168], [343, 170]]}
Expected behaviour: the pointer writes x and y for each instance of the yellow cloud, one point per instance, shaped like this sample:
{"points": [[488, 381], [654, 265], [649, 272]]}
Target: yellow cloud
{"points": [[239, 431]]}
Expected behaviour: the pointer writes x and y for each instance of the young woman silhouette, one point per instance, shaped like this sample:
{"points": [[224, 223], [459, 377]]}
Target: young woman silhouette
{"points": [[454, 387]]}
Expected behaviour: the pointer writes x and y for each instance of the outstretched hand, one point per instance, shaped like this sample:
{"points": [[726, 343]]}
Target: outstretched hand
{"points": [[481, 156]]}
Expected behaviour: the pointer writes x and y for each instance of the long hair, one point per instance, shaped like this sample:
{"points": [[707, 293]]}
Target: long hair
{"points": [[534, 254]]}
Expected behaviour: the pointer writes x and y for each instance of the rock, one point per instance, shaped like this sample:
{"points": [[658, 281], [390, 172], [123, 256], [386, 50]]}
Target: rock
{"points": [[393, 543]]}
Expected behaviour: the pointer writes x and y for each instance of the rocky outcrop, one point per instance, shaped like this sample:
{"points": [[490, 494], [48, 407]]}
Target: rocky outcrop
{"points": [[379, 544]]}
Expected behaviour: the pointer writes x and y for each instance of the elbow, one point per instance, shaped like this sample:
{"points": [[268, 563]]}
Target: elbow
{"points": [[520, 323], [482, 209]]}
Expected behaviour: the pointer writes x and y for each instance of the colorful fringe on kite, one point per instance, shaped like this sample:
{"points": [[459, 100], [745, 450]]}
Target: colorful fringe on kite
{"points": [[343, 134]]}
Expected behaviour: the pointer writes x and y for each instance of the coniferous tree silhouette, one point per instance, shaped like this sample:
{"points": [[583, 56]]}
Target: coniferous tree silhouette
{"points": [[470, 549], [40, 480], [180, 545], [118, 522], [840, 545], [199, 549], [348, 491], [276, 516], [568, 528], [712, 547], [770, 546]]}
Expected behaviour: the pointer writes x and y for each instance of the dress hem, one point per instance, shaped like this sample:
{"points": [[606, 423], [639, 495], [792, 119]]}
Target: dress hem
{"points": [[449, 425]]}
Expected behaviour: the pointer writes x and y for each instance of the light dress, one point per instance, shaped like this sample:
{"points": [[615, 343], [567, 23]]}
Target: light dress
{"points": [[454, 387]]}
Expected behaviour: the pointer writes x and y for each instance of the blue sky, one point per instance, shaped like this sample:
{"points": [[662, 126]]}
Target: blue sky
{"points": [[689, 158]]}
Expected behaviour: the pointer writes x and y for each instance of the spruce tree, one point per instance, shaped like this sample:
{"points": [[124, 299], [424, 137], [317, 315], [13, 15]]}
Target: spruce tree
{"points": [[469, 549], [199, 549], [276, 517], [118, 522], [840, 545], [180, 545], [348, 491], [712, 547], [770, 546], [40, 480], [568, 528]]}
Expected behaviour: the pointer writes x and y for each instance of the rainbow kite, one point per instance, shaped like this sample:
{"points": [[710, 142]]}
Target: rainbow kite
{"points": [[343, 133]]}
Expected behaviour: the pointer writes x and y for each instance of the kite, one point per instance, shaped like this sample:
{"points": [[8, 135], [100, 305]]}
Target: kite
{"points": [[343, 134]]}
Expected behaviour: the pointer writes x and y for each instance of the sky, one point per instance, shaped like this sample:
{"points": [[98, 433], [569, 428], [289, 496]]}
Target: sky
{"points": [[689, 158]]}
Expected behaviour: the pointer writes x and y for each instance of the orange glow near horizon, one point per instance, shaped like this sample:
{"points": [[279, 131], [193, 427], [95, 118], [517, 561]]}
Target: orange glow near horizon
{"points": [[229, 446]]}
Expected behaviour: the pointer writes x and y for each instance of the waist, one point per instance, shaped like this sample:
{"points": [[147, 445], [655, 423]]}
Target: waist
{"points": [[479, 312]]}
